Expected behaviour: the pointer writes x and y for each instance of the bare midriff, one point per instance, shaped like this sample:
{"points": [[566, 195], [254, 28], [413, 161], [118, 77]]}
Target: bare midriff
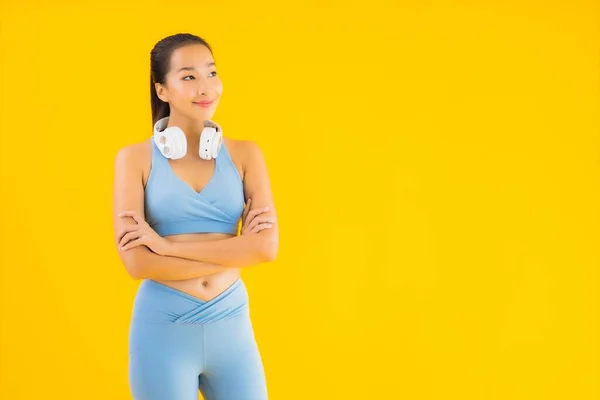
{"points": [[209, 286]]}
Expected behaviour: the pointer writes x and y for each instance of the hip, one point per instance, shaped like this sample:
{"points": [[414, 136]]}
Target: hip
{"points": [[157, 303]]}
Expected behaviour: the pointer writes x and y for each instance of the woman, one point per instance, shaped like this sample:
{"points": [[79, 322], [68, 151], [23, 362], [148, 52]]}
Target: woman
{"points": [[177, 204]]}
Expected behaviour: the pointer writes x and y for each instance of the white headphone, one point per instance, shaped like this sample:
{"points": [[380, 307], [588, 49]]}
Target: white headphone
{"points": [[172, 142]]}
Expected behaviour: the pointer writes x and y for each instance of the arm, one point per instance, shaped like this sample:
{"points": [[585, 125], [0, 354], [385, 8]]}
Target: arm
{"points": [[241, 250], [140, 262]]}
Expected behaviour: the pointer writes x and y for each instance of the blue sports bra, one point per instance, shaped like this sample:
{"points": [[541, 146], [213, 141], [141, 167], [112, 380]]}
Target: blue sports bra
{"points": [[174, 207]]}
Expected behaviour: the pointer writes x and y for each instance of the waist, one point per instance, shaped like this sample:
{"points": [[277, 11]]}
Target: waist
{"points": [[208, 286], [205, 287], [157, 303]]}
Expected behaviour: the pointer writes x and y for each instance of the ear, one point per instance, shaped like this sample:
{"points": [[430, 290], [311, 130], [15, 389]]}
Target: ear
{"points": [[161, 92]]}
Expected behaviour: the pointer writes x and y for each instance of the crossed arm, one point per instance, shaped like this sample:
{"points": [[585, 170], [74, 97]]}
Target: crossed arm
{"points": [[243, 250], [186, 260]]}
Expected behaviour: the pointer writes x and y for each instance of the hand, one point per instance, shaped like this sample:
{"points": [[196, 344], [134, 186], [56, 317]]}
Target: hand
{"points": [[252, 223], [141, 234]]}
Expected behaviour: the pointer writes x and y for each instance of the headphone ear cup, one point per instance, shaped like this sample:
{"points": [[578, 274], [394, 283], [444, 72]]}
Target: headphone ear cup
{"points": [[171, 142], [211, 140]]}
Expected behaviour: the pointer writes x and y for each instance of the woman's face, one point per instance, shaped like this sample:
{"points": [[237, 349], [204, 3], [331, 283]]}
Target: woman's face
{"points": [[191, 81]]}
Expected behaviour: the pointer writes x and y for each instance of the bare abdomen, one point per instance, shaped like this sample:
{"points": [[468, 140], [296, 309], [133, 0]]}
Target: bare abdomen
{"points": [[209, 286]]}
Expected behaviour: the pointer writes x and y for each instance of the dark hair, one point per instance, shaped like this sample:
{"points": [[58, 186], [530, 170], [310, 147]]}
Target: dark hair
{"points": [[160, 58]]}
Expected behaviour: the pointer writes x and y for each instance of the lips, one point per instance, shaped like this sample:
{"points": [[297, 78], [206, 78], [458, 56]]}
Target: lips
{"points": [[204, 103]]}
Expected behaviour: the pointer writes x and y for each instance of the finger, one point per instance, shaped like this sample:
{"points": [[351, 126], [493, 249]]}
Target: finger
{"points": [[128, 228], [252, 224], [130, 245], [261, 227], [265, 219], [248, 226], [257, 211], [133, 243], [128, 237], [132, 214], [127, 213], [260, 220]]}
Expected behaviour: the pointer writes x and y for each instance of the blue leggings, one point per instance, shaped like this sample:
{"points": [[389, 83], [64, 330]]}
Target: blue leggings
{"points": [[179, 345]]}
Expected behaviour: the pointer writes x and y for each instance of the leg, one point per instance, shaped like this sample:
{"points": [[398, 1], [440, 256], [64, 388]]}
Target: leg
{"points": [[164, 362], [234, 368]]}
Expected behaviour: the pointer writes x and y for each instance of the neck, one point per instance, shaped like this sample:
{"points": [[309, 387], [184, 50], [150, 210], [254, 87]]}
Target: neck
{"points": [[192, 129]]}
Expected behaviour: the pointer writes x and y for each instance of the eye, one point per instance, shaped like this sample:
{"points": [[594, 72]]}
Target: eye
{"points": [[214, 72], [188, 76]]}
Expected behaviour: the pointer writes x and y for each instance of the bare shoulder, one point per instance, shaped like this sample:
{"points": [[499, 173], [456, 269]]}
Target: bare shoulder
{"points": [[243, 148], [243, 152], [136, 156]]}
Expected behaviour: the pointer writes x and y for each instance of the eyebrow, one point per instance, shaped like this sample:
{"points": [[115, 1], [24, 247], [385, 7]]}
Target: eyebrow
{"points": [[209, 64]]}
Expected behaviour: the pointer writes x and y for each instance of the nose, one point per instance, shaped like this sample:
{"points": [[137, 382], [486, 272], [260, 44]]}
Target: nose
{"points": [[203, 86]]}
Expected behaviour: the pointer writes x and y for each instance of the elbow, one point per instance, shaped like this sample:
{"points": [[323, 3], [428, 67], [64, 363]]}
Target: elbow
{"points": [[133, 269], [130, 259], [270, 249], [134, 273]]}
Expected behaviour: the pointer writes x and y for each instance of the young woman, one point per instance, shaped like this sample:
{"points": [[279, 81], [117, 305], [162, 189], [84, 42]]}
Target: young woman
{"points": [[178, 199]]}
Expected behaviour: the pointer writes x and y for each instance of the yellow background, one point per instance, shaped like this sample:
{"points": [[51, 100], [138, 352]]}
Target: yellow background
{"points": [[435, 166]]}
